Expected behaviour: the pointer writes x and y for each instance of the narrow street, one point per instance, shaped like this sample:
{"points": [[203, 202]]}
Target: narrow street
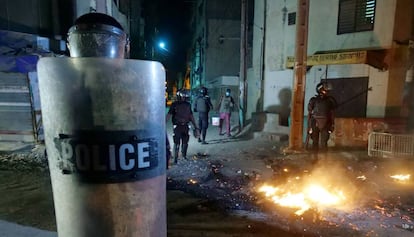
{"points": [[215, 192]]}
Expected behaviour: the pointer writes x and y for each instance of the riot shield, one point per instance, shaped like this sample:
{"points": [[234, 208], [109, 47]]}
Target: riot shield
{"points": [[105, 140]]}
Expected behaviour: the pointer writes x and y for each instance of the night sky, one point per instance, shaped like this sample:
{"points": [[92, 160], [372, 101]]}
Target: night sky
{"points": [[171, 18]]}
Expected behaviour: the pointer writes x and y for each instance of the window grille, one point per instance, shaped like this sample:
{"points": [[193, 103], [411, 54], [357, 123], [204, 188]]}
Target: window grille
{"points": [[356, 16], [291, 18]]}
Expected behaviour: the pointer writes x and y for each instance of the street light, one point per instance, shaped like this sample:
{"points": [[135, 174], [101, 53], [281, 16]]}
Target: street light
{"points": [[163, 46]]}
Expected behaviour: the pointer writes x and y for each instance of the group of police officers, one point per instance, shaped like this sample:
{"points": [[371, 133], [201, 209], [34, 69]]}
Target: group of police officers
{"points": [[320, 107], [181, 113]]}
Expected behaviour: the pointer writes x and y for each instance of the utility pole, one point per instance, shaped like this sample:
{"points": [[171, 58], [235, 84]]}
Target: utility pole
{"points": [[296, 129], [242, 76], [260, 106]]}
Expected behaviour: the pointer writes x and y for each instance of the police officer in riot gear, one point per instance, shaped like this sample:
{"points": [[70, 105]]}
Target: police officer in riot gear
{"points": [[181, 114], [110, 130], [99, 35], [321, 116], [203, 106]]}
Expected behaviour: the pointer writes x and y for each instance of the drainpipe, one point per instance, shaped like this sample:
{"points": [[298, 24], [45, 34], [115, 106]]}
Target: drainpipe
{"points": [[263, 59]]}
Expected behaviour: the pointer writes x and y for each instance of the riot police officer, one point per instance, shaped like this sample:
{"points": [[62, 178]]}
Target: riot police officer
{"points": [[181, 114], [109, 135], [321, 116], [99, 35], [203, 106]]}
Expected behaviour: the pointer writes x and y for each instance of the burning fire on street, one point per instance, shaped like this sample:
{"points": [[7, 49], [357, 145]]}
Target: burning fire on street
{"points": [[401, 177], [312, 195], [321, 189], [364, 197]]}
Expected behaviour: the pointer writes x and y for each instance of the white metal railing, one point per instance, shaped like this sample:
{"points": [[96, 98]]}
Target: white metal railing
{"points": [[389, 145]]}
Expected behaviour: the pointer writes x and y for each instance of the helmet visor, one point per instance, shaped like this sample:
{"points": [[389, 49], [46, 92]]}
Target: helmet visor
{"points": [[97, 41]]}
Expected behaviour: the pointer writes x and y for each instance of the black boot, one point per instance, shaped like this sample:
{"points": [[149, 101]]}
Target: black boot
{"points": [[168, 157], [176, 150], [184, 151], [204, 138]]}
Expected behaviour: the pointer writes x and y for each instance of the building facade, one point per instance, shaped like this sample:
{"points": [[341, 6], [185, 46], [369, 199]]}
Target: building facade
{"points": [[360, 47], [216, 41], [385, 49]]}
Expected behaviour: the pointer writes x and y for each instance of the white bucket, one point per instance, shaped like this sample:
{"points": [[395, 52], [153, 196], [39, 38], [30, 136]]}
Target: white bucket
{"points": [[215, 121]]}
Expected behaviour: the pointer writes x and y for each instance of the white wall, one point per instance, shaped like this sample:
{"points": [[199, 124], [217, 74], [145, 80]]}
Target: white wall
{"points": [[253, 92], [323, 18], [275, 82], [279, 36], [254, 74], [102, 6], [222, 57], [377, 97], [83, 7]]}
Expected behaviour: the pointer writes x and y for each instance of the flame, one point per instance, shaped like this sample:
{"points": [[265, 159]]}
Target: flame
{"points": [[312, 195], [401, 177]]}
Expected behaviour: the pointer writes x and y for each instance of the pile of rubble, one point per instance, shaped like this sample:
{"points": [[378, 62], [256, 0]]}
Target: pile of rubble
{"points": [[32, 158]]}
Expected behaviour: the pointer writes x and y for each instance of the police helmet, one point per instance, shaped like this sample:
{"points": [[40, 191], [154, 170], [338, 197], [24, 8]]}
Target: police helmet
{"points": [[183, 94], [97, 35], [322, 88], [203, 91]]}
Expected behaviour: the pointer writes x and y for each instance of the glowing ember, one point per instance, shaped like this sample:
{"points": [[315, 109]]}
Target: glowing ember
{"points": [[401, 177], [312, 195], [362, 177], [192, 181]]}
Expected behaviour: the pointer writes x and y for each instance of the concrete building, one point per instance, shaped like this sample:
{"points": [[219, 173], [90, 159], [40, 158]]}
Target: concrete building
{"points": [[360, 47], [215, 56], [216, 40], [36, 30]]}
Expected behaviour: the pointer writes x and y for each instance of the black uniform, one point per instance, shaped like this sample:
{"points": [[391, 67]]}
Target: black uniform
{"points": [[321, 113], [168, 150], [181, 115], [203, 106]]}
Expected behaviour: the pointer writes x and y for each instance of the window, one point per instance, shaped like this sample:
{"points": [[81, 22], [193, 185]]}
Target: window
{"points": [[291, 18], [356, 16]]}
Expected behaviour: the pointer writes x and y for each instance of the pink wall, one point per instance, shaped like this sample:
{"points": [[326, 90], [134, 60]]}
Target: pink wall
{"points": [[354, 131]]}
